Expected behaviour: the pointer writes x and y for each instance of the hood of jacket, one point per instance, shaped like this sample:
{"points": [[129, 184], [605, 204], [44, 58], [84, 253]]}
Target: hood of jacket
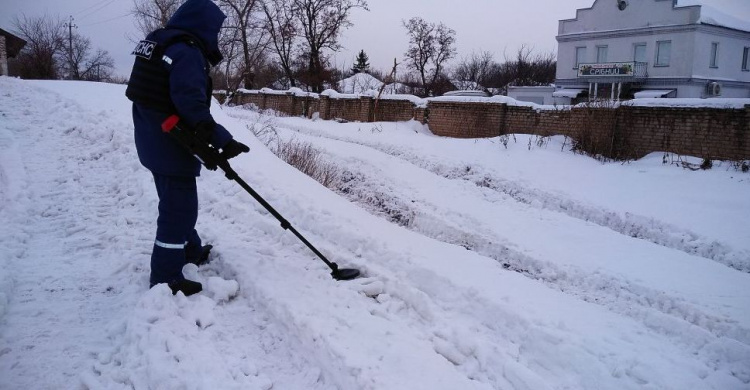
{"points": [[203, 19]]}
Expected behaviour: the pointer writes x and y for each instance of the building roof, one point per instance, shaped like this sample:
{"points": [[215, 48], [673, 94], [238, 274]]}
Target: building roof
{"points": [[639, 16], [13, 44], [715, 17]]}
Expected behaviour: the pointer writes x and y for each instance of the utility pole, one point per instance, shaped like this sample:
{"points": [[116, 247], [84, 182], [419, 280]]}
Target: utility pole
{"points": [[70, 27]]}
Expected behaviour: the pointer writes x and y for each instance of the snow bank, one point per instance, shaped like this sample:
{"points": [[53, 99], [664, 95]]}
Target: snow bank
{"points": [[162, 342]]}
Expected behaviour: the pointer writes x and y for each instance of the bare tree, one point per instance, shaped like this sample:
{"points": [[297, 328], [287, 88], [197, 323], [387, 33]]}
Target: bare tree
{"points": [[474, 71], [421, 46], [225, 75], [51, 54], [85, 64], [321, 22], [430, 47], [524, 69], [284, 29], [246, 30], [153, 14], [45, 41], [544, 68]]}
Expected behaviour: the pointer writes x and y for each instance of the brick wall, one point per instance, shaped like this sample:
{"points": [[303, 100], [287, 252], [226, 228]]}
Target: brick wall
{"points": [[394, 111], [466, 120], [617, 132], [349, 109], [355, 109], [624, 132], [285, 104], [527, 120], [705, 132]]}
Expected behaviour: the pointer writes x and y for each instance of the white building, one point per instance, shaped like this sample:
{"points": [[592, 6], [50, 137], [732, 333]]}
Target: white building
{"points": [[650, 48], [621, 49]]}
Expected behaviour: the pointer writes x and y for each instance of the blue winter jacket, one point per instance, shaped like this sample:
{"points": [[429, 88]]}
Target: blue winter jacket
{"points": [[187, 65]]}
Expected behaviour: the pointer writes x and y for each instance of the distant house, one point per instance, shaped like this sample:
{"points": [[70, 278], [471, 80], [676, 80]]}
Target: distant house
{"points": [[622, 49], [359, 83], [10, 46]]}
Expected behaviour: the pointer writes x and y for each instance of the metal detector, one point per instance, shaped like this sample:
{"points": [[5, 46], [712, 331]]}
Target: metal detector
{"points": [[211, 159]]}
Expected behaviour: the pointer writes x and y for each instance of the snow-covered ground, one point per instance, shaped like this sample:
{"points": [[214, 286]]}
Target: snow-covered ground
{"points": [[485, 266]]}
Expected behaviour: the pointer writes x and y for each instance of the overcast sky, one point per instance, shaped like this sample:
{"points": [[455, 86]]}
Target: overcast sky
{"points": [[498, 26]]}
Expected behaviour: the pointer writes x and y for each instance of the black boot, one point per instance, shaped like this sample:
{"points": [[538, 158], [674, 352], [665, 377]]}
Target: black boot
{"points": [[203, 257], [188, 287]]}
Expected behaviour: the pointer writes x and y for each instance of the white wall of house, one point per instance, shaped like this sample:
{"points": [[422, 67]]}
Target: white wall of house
{"points": [[649, 22], [729, 59], [620, 48]]}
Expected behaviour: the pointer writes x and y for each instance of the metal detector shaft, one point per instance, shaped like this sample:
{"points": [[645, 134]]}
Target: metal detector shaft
{"points": [[211, 159], [232, 175]]}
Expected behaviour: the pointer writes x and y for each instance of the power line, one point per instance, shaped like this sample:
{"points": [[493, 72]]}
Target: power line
{"points": [[107, 20], [98, 8], [90, 7]]}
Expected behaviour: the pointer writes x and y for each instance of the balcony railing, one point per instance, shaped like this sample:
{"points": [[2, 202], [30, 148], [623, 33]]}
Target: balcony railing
{"points": [[618, 70]]}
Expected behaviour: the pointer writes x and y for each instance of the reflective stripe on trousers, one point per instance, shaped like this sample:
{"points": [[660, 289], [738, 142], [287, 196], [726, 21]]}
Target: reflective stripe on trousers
{"points": [[170, 246]]}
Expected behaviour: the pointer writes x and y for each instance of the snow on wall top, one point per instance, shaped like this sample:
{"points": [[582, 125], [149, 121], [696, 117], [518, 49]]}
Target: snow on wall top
{"points": [[713, 16], [417, 101], [291, 91], [500, 99]]}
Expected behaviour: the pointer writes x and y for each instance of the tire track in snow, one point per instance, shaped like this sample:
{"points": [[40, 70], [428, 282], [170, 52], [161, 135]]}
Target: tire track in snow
{"points": [[664, 314], [415, 308], [629, 224], [620, 296], [488, 343], [280, 276]]}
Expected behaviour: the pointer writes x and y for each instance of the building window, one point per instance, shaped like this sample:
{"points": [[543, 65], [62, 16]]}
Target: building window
{"points": [[745, 54], [663, 53], [714, 54], [580, 56], [639, 52], [601, 54]]}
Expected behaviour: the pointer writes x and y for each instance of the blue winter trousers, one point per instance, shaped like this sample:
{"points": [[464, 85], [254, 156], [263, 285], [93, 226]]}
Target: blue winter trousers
{"points": [[176, 237]]}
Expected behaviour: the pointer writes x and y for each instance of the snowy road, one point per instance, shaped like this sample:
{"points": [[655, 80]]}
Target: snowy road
{"points": [[484, 268]]}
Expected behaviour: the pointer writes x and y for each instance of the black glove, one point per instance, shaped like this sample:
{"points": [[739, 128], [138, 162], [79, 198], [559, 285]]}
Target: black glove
{"points": [[205, 130], [233, 149]]}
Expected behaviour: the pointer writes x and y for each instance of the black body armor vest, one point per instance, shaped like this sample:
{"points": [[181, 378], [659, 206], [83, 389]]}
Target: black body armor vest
{"points": [[149, 81]]}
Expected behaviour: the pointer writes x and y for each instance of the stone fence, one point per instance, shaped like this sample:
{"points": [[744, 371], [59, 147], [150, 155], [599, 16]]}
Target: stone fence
{"points": [[621, 132], [616, 131], [332, 105]]}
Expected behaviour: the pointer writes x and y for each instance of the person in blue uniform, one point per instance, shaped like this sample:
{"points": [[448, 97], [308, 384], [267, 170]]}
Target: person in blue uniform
{"points": [[171, 76]]}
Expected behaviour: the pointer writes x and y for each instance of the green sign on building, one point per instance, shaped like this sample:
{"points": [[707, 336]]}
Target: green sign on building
{"points": [[606, 70]]}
